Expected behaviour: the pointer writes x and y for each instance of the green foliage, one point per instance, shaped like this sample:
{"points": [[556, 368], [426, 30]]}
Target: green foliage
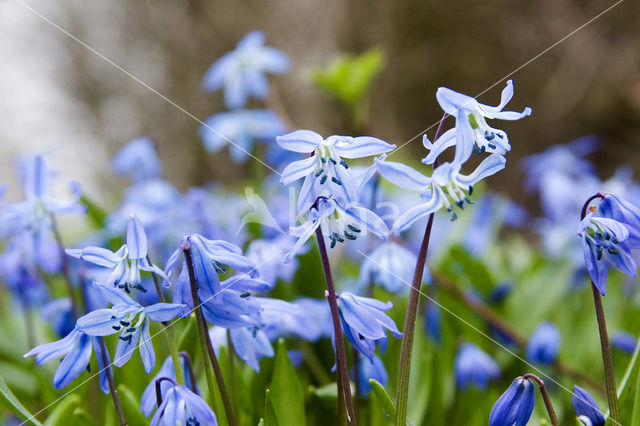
{"points": [[10, 401], [270, 418], [349, 78], [130, 406], [63, 410], [387, 403], [288, 396]]}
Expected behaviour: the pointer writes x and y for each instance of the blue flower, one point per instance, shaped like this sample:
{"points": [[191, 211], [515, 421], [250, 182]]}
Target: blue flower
{"points": [[446, 183], [243, 128], [604, 242], [131, 320], [57, 313], [544, 344], [148, 400], [364, 322], [624, 212], [325, 172], [270, 264], [433, 321], [586, 408], [371, 368], [127, 262], [515, 405], [251, 344], [138, 159], [623, 341], [474, 367], [391, 266], [242, 71], [308, 319], [338, 223], [76, 348], [472, 133], [180, 406]]}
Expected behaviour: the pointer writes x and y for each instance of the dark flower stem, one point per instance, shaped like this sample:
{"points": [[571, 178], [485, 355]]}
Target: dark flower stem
{"points": [[159, 388], [412, 312], [65, 268], [208, 355], [173, 346], [341, 355], [609, 374], [545, 397]]}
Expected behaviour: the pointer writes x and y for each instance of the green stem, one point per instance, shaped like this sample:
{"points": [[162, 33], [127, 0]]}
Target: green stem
{"points": [[341, 354], [232, 373], [208, 355], [173, 346], [412, 313]]}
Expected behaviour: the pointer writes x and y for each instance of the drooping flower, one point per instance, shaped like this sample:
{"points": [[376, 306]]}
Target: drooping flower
{"points": [[148, 400], [604, 242], [131, 320], [623, 341], [76, 348], [127, 262], [586, 408], [325, 172], [391, 266], [371, 368], [544, 344], [472, 133], [515, 405], [251, 344], [242, 128], [445, 188], [308, 319], [474, 367], [338, 223], [182, 407], [270, 264], [138, 159], [616, 208], [243, 71], [364, 322]]}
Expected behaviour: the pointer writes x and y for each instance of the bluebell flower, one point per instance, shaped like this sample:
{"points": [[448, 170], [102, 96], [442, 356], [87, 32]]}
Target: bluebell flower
{"points": [[243, 71], [500, 292], [308, 319], [544, 344], [57, 313], [445, 188], [338, 223], [148, 400], [624, 212], [364, 322], [180, 406], [76, 348], [433, 321], [623, 341], [271, 266], [515, 405], [242, 128], [137, 159], [127, 262], [391, 266], [131, 320], [325, 172], [371, 368], [586, 408], [474, 367], [251, 344], [19, 272], [472, 133], [604, 242]]}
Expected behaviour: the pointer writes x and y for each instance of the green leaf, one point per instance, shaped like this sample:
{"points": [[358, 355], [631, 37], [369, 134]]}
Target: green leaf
{"points": [[188, 339], [12, 403], [380, 392], [94, 212], [270, 418], [287, 393], [63, 411], [130, 406], [628, 390], [80, 417]]}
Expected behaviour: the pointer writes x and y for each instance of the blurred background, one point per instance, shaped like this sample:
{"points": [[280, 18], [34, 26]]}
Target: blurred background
{"points": [[57, 97]]}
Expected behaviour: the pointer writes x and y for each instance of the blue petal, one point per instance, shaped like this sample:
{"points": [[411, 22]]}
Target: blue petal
{"points": [[358, 147], [405, 220], [126, 348], [298, 169], [369, 220], [162, 312], [305, 232], [100, 322], [96, 255], [97, 348], [253, 38], [50, 351], [464, 137], [145, 348], [136, 238], [303, 141], [115, 296], [74, 363], [586, 407], [402, 175], [446, 140], [489, 166], [198, 407], [452, 102]]}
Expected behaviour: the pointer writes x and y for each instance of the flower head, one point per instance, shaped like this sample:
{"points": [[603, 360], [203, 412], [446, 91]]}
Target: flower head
{"points": [[137, 159], [472, 133], [371, 368], [127, 262], [180, 406], [148, 400], [251, 344], [243, 127], [391, 266], [474, 367], [544, 344], [325, 172], [243, 71], [623, 341], [586, 408], [515, 405]]}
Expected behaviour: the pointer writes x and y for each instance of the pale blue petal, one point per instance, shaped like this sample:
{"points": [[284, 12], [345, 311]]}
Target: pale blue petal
{"points": [[406, 219], [448, 139], [162, 312], [136, 238], [489, 166], [305, 233], [100, 322], [303, 141], [298, 169], [403, 176], [147, 354], [369, 220], [50, 351], [452, 102], [198, 407], [96, 255], [104, 381], [73, 364], [254, 38], [358, 147], [125, 349]]}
